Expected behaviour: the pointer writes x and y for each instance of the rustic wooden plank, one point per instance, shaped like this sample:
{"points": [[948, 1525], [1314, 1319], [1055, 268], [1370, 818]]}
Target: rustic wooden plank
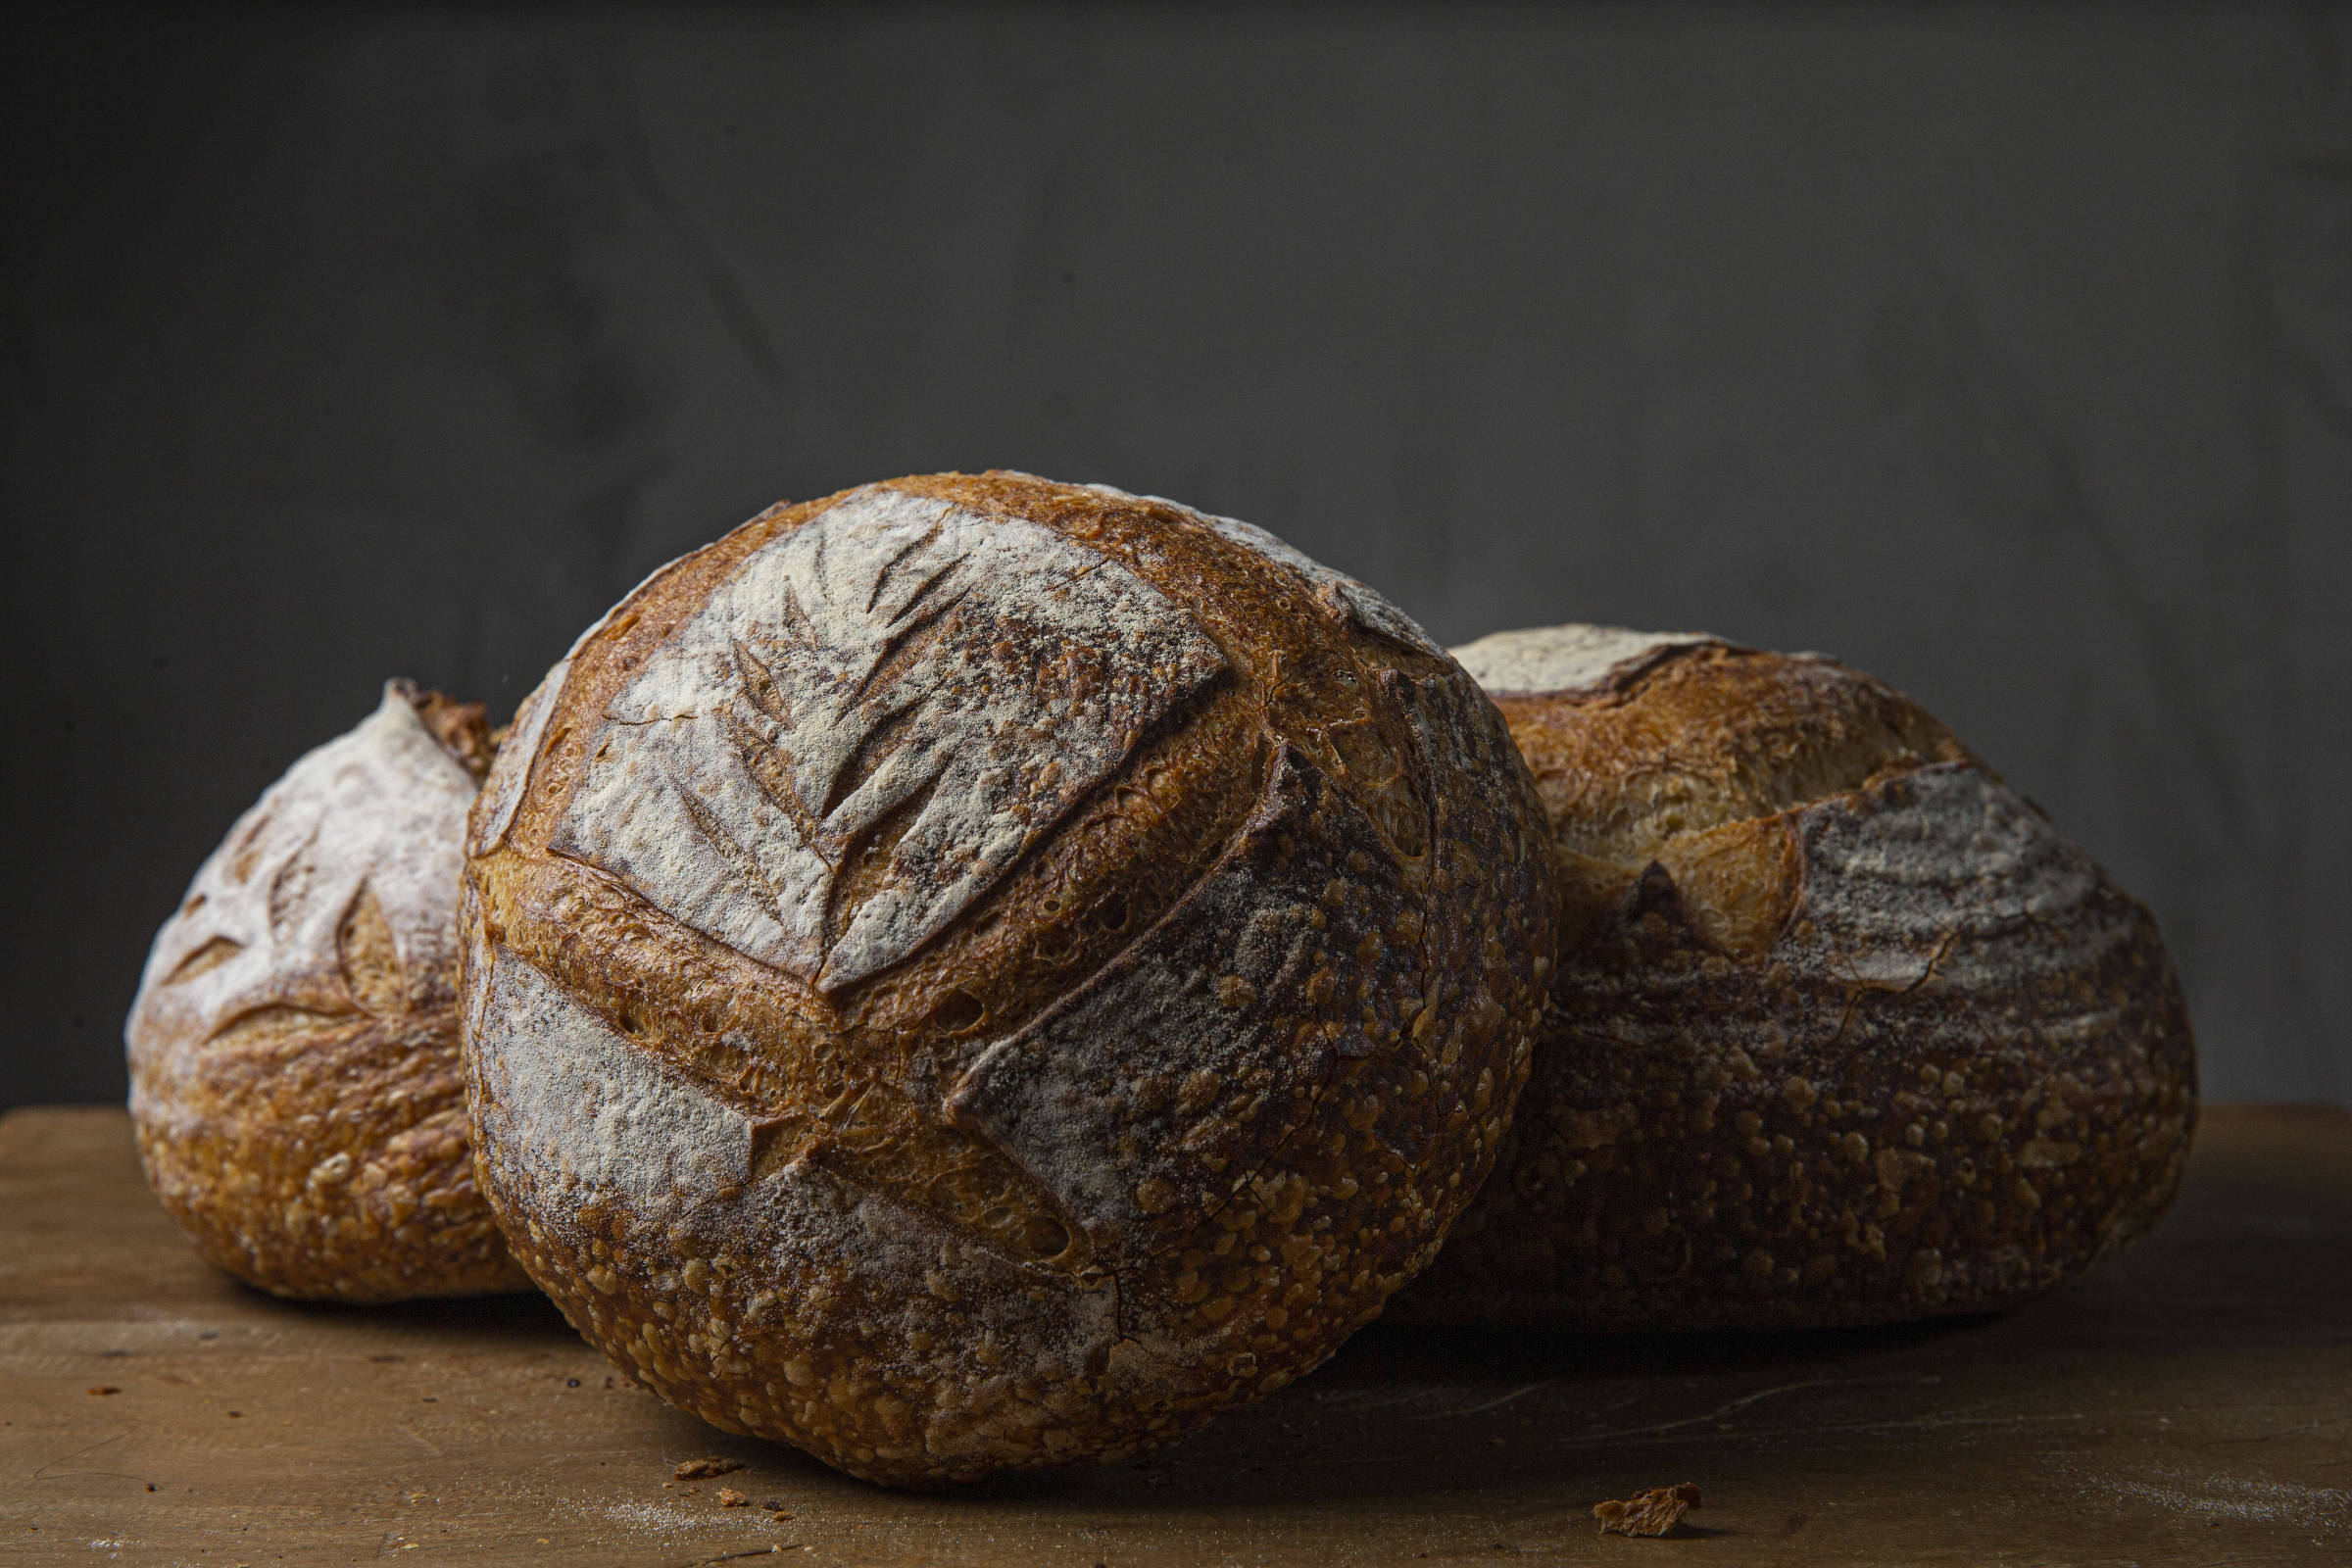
{"points": [[2190, 1403]]}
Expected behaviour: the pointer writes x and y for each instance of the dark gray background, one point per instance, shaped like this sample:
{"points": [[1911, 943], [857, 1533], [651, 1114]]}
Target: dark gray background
{"points": [[2006, 353]]}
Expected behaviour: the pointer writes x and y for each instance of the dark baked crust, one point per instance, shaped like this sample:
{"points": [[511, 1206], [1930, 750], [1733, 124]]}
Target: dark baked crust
{"points": [[1842, 1033], [297, 1087], [1144, 1128]]}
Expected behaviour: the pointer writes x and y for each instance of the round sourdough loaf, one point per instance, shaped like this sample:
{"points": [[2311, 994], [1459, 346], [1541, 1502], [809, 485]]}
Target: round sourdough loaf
{"points": [[977, 974], [295, 1077], [1841, 1031]]}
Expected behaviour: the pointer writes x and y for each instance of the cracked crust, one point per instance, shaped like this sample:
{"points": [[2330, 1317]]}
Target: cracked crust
{"points": [[296, 1083], [1842, 1031], [942, 1114]]}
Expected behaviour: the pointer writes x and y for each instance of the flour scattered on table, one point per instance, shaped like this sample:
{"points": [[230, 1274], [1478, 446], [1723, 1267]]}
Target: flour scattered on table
{"points": [[1655, 1512], [670, 1522]]}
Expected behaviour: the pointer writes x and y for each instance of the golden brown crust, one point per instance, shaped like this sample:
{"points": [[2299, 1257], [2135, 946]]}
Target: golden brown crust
{"points": [[296, 1081], [1144, 1126], [1677, 756], [1842, 1030], [1707, 736]]}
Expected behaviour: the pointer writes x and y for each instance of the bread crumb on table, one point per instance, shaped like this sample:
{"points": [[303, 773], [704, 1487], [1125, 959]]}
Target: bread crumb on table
{"points": [[729, 1498], [1655, 1512], [704, 1469]]}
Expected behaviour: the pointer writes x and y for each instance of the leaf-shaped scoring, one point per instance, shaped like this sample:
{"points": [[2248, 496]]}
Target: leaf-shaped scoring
{"points": [[894, 655], [367, 829], [835, 698]]}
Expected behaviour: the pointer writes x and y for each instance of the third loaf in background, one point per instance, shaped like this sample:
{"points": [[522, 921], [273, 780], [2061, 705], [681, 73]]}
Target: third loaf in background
{"points": [[1842, 1031]]}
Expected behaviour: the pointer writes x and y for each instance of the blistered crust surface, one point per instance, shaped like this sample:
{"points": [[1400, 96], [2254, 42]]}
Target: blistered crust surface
{"points": [[1960, 1073], [296, 1084], [1371, 610], [1344, 597], [934, 1222]]}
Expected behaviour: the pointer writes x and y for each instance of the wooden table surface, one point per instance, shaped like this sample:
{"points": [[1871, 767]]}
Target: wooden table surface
{"points": [[2190, 1403]]}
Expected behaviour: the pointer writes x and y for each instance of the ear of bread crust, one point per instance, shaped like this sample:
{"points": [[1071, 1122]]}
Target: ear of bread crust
{"points": [[510, 771]]}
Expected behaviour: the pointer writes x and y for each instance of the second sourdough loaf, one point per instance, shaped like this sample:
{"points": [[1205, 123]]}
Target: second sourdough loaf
{"points": [[295, 1079], [1842, 1031], [977, 974]]}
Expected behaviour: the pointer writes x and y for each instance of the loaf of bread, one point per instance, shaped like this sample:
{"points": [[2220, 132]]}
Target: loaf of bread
{"points": [[1843, 1032], [976, 973], [296, 1083]]}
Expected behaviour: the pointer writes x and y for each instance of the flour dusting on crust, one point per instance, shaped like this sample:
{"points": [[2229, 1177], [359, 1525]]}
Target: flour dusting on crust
{"points": [[588, 1106], [1949, 865], [1569, 659], [896, 659], [575, 1112], [374, 811]]}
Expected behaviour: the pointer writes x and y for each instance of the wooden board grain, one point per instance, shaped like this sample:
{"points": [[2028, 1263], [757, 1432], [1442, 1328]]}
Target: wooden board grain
{"points": [[2190, 1403]]}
